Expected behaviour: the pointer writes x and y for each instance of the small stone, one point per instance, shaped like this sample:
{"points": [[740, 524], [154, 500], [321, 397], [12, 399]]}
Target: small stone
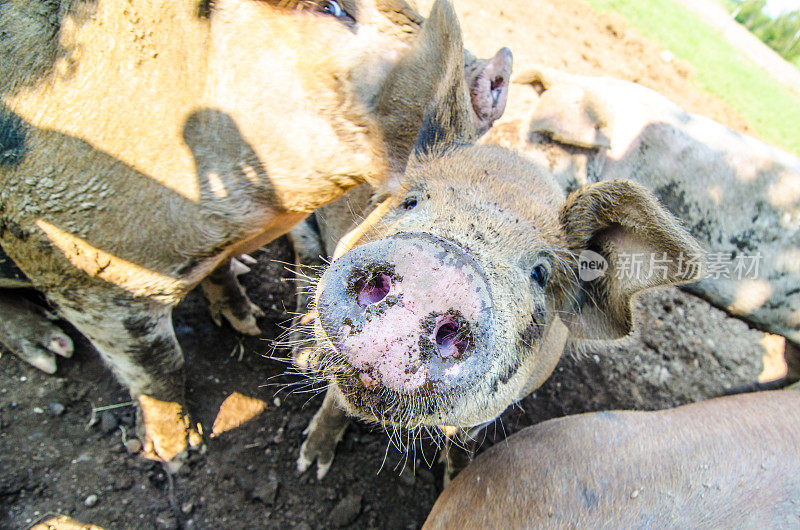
{"points": [[174, 466], [108, 422], [346, 511], [166, 520], [187, 507], [133, 446], [91, 500], [276, 402], [124, 482], [266, 492], [634, 494], [236, 410], [83, 457], [38, 410], [278, 438], [57, 409]]}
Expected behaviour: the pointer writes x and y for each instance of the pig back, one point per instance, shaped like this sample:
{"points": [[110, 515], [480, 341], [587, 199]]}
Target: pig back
{"points": [[727, 462]]}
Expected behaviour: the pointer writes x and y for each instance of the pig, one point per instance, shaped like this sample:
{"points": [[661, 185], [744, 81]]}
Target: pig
{"points": [[145, 144], [455, 296], [739, 197], [729, 462]]}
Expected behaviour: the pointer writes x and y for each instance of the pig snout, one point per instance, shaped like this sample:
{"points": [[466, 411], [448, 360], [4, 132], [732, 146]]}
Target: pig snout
{"points": [[410, 312]]}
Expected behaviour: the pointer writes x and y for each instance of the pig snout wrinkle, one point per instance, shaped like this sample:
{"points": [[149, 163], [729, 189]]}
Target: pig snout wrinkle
{"points": [[407, 313]]}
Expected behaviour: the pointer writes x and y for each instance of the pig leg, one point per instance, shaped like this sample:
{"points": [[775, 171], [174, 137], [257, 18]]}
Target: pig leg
{"points": [[322, 434], [308, 252], [226, 298], [26, 332], [134, 336]]}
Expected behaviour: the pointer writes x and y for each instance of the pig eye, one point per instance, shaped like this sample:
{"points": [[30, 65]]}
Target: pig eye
{"points": [[409, 203], [332, 7], [540, 274]]}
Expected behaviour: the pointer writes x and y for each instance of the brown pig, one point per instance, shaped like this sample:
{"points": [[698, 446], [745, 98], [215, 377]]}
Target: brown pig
{"points": [[143, 144], [464, 283], [729, 462]]}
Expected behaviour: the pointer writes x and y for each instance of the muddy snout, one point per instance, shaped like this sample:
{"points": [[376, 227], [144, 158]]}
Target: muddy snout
{"points": [[408, 312]]}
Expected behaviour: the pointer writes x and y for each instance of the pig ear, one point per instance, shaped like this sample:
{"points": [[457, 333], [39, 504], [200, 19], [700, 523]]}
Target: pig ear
{"points": [[488, 86], [625, 241], [449, 118], [430, 75], [567, 111]]}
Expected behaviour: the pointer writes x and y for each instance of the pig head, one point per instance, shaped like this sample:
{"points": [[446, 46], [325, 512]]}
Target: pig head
{"points": [[440, 314], [456, 300]]}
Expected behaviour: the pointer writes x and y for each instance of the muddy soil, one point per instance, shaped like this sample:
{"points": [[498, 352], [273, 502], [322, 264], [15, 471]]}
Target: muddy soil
{"points": [[55, 459]]}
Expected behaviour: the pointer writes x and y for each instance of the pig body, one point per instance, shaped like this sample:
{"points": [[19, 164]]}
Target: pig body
{"points": [[722, 463], [143, 145]]}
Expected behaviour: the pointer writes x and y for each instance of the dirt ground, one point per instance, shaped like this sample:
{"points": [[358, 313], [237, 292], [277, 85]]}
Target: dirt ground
{"points": [[53, 459]]}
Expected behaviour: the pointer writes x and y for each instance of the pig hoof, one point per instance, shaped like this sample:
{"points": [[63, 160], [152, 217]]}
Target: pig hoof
{"points": [[42, 357], [226, 298], [246, 259], [242, 318], [29, 335], [165, 430], [307, 456], [320, 445], [304, 461]]}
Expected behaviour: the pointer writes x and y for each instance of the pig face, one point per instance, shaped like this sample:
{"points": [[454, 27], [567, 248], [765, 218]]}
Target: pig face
{"points": [[306, 105], [438, 315]]}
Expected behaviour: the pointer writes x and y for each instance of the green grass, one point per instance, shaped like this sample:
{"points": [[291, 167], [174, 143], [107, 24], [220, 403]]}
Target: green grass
{"points": [[772, 109]]}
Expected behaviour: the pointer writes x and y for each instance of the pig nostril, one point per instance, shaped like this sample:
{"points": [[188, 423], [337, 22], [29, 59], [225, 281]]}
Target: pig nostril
{"points": [[373, 290], [450, 340]]}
